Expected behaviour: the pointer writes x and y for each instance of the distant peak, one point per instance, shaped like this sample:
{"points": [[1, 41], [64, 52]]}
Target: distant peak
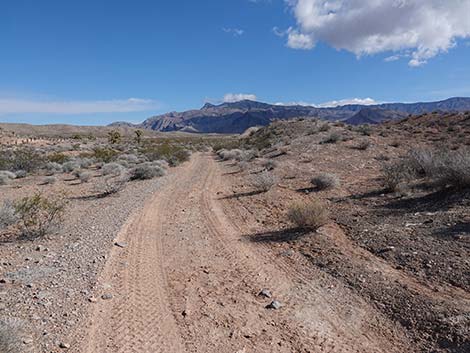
{"points": [[208, 105]]}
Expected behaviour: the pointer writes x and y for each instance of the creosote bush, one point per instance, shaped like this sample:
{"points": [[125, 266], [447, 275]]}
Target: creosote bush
{"points": [[325, 181], [310, 215], [38, 215]]}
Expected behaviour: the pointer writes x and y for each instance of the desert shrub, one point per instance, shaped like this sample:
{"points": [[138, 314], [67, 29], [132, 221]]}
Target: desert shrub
{"points": [[325, 181], [21, 159], [268, 164], [334, 137], [310, 215], [263, 181], [147, 171], [8, 216], [84, 177], [49, 180], [105, 155], [111, 185], [178, 157], [21, 174], [445, 168], [243, 165], [324, 127], [365, 129], [8, 174], [54, 168], [129, 158], [247, 155], [70, 166], [170, 152], [6, 177], [113, 169], [363, 145], [396, 173], [58, 157], [38, 215], [84, 162]]}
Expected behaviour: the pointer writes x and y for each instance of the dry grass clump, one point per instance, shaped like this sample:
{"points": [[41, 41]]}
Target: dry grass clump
{"points": [[325, 181], [310, 215], [263, 181]]}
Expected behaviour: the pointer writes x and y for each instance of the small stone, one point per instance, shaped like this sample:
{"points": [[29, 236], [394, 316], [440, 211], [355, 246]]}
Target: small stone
{"points": [[274, 305], [64, 345], [27, 341], [120, 245], [184, 313], [107, 296], [265, 293], [92, 300]]}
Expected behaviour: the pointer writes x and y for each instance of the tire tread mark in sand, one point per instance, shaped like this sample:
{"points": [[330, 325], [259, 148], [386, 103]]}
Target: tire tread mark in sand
{"points": [[330, 302]]}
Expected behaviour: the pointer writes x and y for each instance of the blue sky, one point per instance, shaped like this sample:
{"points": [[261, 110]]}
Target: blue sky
{"points": [[94, 62]]}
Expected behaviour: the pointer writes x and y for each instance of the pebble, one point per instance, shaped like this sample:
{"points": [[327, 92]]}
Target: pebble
{"points": [[64, 345], [274, 305], [120, 245], [265, 293], [107, 296]]}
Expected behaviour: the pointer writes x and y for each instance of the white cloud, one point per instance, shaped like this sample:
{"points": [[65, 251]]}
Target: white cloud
{"points": [[338, 103], [334, 103], [14, 105], [426, 28], [236, 32], [236, 97]]}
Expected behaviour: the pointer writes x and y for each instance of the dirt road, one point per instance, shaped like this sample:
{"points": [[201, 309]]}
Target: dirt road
{"points": [[187, 280]]}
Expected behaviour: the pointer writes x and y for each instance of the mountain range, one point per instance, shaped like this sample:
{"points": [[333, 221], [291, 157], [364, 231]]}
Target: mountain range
{"points": [[236, 117]]}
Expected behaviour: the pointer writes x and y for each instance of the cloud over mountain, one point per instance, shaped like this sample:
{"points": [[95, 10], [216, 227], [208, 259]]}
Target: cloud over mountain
{"points": [[419, 29]]}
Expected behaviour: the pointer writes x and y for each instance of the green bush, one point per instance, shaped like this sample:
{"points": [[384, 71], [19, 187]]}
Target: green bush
{"points": [[38, 214]]}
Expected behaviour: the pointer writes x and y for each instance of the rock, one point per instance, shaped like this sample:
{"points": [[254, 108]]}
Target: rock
{"points": [[274, 305], [107, 296], [92, 300], [64, 345], [265, 293], [120, 244]]}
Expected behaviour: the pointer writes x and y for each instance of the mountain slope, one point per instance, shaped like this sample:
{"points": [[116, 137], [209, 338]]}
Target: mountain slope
{"points": [[237, 117]]}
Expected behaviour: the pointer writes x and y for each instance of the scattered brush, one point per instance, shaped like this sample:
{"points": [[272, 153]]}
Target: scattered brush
{"points": [[311, 215], [363, 145]]}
